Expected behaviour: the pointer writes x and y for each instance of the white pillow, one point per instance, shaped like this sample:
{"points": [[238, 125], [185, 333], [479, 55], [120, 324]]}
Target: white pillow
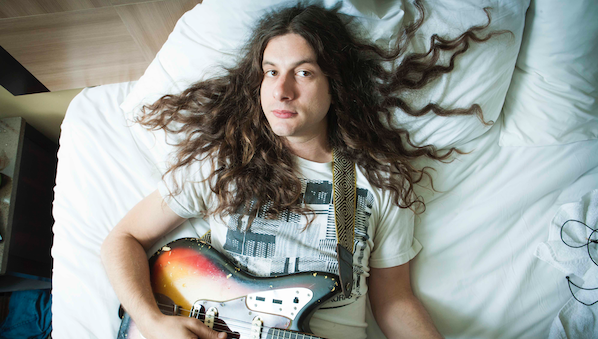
{"points": [[212, 32], [553, 95], [481, 75]]}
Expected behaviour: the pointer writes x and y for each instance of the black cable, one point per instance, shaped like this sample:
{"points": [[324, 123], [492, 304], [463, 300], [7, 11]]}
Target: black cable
{"points": [[581, 288], [587, 244]]}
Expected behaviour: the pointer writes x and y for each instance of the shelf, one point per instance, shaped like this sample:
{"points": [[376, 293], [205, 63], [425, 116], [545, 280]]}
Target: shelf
{"points": [[28, 169]]}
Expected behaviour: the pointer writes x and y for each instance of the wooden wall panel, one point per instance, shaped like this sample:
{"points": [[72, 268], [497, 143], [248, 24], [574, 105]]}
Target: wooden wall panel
{"points": [[127, 2], [19, 8], [74, 49], [68, 44], [151, 23]]}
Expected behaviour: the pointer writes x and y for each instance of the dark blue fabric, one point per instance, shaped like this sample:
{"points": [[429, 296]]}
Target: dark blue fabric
{"points": [[29, 315]]}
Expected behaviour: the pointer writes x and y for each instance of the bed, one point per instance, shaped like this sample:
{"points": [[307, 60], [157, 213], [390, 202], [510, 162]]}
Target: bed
{"points": [[493, 264]]}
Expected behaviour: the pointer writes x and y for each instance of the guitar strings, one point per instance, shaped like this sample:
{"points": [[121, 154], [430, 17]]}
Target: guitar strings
{"points": [[270, 334], [203, 314], [243, 325]]}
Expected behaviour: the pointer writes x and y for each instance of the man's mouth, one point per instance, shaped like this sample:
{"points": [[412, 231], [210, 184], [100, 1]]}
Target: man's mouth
{"points": [[283, 114]]}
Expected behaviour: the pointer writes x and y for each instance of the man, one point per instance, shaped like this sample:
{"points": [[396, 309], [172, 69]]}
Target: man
{"points": [[256, 163]]}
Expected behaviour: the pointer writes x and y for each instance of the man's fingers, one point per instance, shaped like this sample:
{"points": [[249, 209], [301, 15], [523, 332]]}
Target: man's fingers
{"points": [[204, 332]]}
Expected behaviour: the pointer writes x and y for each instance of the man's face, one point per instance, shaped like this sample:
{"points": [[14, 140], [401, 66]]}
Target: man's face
{"points": [[295, 94]]}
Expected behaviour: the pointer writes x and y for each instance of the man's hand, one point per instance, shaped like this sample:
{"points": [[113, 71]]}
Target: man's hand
{"points": [[178, 327], [124, 257]]}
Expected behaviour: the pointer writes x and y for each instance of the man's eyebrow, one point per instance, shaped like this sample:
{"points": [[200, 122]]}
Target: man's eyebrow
{"points": [[298, 63]]}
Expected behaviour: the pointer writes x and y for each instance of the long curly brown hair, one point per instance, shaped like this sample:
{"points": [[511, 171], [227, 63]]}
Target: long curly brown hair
{"points": [[222, 118]]}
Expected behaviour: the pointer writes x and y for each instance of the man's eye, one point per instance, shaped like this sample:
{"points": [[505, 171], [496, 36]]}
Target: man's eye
{"points": [[303, 73], [270, 73]]}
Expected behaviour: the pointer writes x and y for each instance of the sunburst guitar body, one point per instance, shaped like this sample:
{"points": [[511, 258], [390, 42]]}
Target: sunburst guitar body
{"points": [[190, 278]]}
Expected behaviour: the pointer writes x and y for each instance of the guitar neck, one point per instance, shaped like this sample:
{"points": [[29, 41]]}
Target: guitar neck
{"points": [[275, 333]]}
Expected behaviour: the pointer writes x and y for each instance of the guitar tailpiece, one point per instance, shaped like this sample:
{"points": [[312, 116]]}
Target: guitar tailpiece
{"points": [[195, 312]]}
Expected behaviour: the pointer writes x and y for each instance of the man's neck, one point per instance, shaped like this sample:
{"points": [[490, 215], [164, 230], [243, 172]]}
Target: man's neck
{"points": [[312, 150]]}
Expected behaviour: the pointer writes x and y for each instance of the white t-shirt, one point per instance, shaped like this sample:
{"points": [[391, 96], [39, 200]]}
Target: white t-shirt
{"points": [[383, 238]]}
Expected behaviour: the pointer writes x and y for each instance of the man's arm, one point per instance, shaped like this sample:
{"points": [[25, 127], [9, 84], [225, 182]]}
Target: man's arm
{"points": [[398, 312], [124, 258]]}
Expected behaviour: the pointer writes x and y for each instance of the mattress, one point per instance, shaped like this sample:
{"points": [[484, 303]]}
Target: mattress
{"points": [[478, 274]]}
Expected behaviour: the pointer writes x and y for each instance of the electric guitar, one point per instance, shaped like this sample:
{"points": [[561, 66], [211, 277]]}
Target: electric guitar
{"points": [[190, 278]]}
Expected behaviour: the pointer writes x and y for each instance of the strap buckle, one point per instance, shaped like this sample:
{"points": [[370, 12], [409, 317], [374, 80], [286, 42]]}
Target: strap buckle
{"points": [[345, 269]]}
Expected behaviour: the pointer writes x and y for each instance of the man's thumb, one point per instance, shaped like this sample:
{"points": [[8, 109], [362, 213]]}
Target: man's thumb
{"points": [[205, 332]]}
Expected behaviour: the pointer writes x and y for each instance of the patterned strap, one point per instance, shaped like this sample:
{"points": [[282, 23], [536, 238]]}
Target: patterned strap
{"points": [[344, 196], [207, 237]]}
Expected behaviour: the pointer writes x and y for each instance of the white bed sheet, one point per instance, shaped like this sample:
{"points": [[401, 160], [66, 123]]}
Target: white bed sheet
{"points": [[101, 175], [476, 275]]}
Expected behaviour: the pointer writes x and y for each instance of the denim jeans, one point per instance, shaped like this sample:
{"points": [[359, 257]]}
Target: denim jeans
{"points": [[29, 315]]}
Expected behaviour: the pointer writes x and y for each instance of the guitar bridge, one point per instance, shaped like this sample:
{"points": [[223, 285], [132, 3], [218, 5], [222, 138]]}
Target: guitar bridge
{"points": [[197, 310]]}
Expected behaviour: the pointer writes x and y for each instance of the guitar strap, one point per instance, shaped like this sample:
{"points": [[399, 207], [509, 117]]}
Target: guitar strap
{"points": [[207, 237], [344, 198]]}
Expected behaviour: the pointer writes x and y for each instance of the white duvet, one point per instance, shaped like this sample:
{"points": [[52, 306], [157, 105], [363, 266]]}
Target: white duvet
{"points": [[476, 275]]}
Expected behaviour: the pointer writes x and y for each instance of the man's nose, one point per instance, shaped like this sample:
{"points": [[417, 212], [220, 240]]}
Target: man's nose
{"points": [[284, 87]]}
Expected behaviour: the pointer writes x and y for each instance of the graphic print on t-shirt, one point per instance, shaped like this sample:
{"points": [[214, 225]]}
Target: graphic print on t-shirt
{"points": [[278, 246]]}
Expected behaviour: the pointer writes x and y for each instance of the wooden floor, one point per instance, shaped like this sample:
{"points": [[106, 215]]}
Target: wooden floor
{"points": [[69, 44]]}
